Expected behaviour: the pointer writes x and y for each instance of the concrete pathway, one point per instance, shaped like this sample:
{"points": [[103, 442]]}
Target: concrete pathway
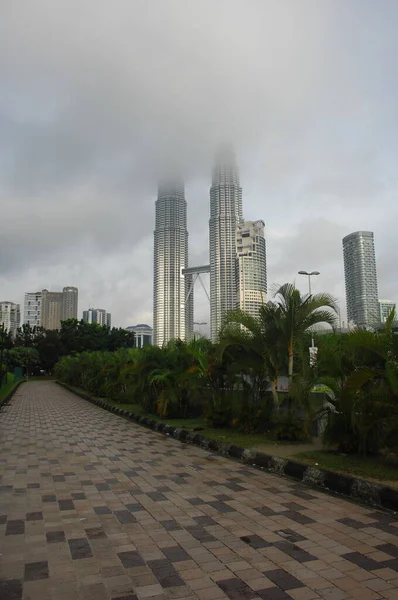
{"points": [[94, 507]]}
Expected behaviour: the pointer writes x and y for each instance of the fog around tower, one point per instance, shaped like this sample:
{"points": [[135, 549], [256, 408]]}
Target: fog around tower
{"points": [[99, 101]]}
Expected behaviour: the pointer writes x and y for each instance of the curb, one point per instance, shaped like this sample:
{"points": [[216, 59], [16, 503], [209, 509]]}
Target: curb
{"points": [[10, 394], [360, 490]]}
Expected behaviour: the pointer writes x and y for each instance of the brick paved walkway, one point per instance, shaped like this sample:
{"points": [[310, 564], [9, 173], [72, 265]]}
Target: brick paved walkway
{"points": [[94, 507]]}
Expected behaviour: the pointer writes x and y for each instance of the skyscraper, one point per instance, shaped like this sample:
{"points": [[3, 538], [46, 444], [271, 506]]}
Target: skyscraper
{"points": [[225, 216], [97, 315], [32, 309], [47, 309], [70, 297], [10, 316], [51, 313], [172, 315], [251, 268], [385, 309], [361, 278]]}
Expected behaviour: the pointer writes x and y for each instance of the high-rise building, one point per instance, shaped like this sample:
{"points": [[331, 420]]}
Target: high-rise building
{"points": [[385, 309], [361, 279], [97, 315], [51, 309], [225, 216], [32, 309], [69, 303], [172, 314], [143, 334], [10, 316], [251, 269], [47, 309]]}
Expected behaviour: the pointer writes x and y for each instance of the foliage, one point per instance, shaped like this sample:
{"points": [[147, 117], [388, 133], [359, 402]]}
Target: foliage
{"points": [[363, 411], [234, 383]]}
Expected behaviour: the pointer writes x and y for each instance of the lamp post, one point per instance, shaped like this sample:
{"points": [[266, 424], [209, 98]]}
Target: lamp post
{"points": [[199, 323], [309, 275]]}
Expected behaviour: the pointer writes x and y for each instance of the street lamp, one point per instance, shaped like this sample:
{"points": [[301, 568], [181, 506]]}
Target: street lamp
{"points": [[309, 275]]}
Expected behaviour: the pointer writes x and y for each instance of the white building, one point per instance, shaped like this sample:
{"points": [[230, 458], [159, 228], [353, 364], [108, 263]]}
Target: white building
{"points": [[143, 334], [385, 309], [33, 308], [225, 216], [97, 315], [172, 314], [251, 269], [10, 316]]}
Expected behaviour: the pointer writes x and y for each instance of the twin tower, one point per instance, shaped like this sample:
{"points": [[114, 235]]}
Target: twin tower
{"points": [[238, 273]]}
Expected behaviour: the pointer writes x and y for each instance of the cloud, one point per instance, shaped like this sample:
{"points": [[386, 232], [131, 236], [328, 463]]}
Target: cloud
{"points": [[99, 99]]}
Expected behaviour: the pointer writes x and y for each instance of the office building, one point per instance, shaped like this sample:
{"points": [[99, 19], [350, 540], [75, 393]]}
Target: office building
{"points": [[47, 309], [251, 270], [97, 315], [385, 309], [10, 316], [70, 297], [172, 314], [143, 334], [32, 309], [361, 279], [225, 216], [51, 309]]}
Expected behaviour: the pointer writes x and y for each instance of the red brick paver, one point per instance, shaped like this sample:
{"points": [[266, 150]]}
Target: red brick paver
{"points": [[95, 507]]}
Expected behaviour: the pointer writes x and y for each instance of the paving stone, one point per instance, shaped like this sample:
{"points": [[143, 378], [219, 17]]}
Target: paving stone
{"points": [[36, 570], [146, 525], [79, 548], [10, 589], [55, 536]]}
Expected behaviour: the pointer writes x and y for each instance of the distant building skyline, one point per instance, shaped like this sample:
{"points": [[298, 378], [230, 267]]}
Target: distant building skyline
{"points": [[172, 315], [97, 315], [225, 216], [361, 279], [251, 267], [10, 316], [47, 309]]}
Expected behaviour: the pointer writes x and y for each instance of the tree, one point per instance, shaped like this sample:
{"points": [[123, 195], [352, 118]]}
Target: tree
{"points": [[296, 314], [50, 349], [20, 356], [29, 337], [259, 342]]}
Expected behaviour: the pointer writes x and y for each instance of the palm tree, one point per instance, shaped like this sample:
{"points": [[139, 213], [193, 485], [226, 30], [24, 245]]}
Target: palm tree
{"points": [[296, 314], [259, 339]]}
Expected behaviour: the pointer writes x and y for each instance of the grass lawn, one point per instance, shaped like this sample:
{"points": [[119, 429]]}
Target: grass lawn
{"points": [[377, 468], [6, 388], [233, 436]]}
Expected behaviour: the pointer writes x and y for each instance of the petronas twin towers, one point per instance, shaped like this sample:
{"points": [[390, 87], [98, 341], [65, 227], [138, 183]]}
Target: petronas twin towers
{"points": [[236, 272]]}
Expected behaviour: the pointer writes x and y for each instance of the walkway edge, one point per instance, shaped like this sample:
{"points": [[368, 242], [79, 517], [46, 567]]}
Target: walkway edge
{"points": [[10, 393], [373, 494]]}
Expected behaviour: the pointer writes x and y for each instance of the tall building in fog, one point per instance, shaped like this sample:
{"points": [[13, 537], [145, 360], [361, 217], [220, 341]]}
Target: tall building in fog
{"points": [[251, 269], [361, 279], [172, 315], [10, 316], [97, 315], [225, 216]]}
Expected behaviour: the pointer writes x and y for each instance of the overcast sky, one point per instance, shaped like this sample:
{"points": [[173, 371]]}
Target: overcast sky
{"points": [[97, 96]]}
